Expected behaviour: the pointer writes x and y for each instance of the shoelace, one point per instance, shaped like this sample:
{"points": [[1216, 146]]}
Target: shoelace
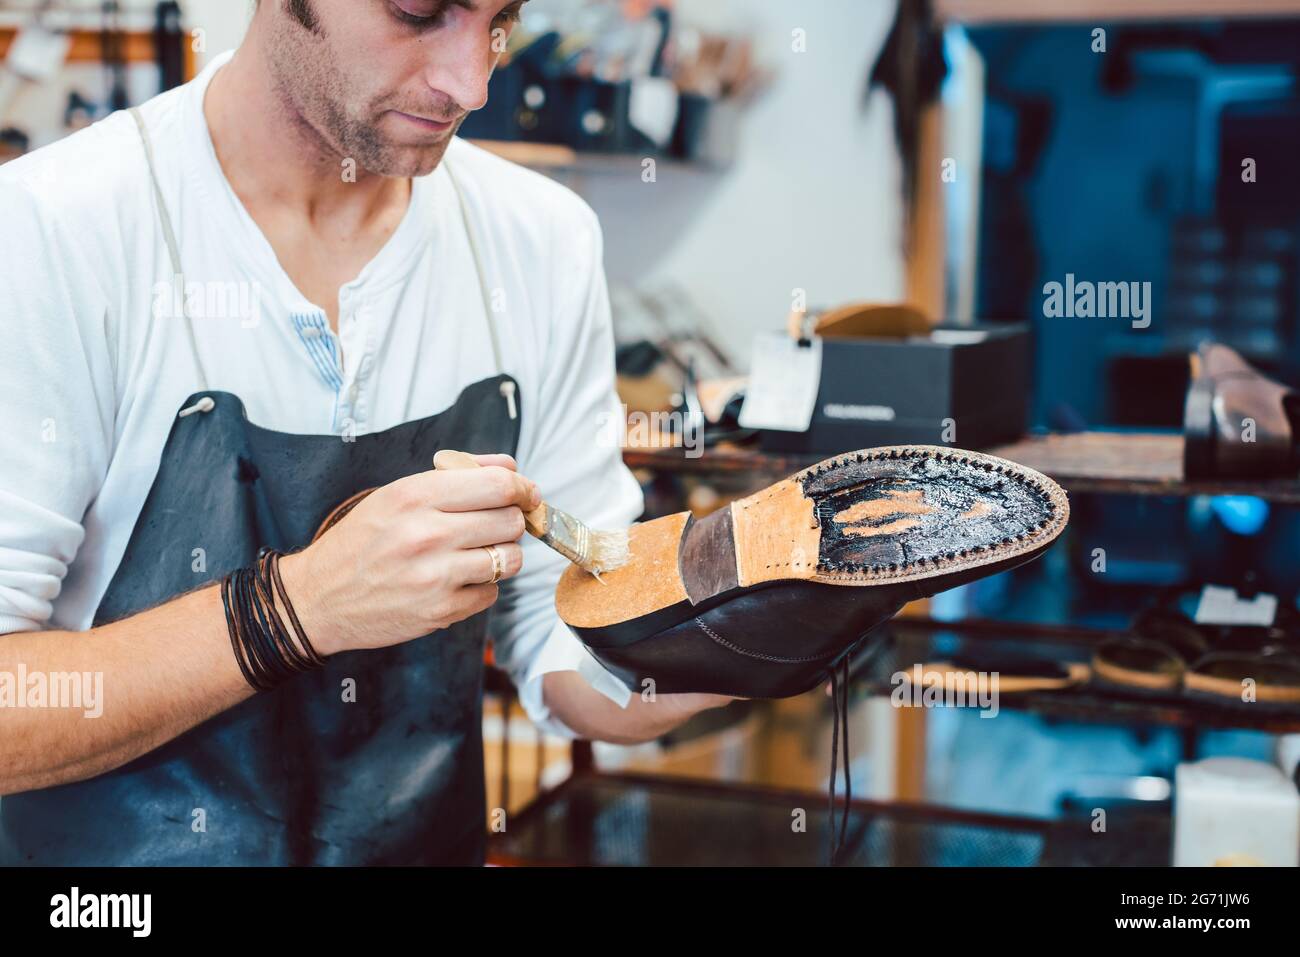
{"points": [[839, 738]]}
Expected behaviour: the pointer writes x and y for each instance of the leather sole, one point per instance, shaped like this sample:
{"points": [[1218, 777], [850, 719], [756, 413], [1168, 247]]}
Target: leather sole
{"points": [[876, 517], [960, 679]]}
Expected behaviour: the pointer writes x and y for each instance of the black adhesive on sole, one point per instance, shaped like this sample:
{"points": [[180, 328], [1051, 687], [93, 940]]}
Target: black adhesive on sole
{"points": [[899, 511]]}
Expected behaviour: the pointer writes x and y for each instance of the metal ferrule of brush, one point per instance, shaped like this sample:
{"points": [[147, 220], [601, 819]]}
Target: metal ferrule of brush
{"points": [[568, 536]]}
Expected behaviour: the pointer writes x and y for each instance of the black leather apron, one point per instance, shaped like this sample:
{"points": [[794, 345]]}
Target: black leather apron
{"points": [[375, 759]]}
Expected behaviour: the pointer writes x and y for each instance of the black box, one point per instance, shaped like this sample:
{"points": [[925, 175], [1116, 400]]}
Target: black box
{"points": [[876, 392]]}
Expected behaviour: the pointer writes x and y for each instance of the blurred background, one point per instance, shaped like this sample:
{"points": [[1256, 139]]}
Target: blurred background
{"points": [[758, 164]]}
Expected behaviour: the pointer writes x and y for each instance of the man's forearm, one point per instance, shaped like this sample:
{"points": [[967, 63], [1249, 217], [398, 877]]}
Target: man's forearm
{"points": [[163, 672], [169, 669], [592, 715]]}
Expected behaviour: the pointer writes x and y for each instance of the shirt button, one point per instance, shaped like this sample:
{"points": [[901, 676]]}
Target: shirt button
{"points": [[311, 332], [353, 393]]}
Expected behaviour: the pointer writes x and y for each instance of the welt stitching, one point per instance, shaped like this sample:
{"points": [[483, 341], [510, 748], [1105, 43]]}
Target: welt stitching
{"points": [[755, 654]]}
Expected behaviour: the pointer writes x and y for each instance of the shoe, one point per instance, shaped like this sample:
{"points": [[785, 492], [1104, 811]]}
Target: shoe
{"points": [[1225, 392], [1169, 654], [762, 599], [1270, 677]]}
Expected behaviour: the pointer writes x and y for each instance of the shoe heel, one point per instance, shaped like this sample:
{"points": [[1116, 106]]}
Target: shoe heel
{"points": [[1198, 430]]}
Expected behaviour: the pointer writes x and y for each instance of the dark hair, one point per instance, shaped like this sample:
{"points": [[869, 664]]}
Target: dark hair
{"points": [[302, 11]]}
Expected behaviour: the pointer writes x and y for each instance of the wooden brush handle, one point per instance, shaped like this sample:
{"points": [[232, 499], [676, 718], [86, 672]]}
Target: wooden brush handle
{"points": [[447, 459]]}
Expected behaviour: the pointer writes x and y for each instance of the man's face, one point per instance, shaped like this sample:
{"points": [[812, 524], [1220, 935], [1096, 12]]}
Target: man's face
{"points": [[386, 82]]}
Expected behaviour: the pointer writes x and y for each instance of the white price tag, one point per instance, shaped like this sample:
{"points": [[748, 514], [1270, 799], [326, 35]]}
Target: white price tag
{"points": [[783, 381], [1222, 606], [653, 108]]}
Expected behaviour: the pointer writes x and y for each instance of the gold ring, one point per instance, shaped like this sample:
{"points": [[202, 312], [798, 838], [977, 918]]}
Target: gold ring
{"points": [[498, 566]]}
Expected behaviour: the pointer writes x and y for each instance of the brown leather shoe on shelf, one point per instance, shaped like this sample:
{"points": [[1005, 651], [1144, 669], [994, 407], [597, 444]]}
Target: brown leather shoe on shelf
{"points": [[763, 598], [1225, 392]]}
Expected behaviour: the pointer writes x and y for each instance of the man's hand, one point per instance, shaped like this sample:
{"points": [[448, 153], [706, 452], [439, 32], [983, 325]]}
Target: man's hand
{"points": [[591, 715], [686, 706], [409, 558]]}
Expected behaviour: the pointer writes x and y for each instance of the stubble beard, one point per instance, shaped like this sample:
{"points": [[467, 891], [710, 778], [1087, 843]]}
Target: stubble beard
{"points": [[313, 94]]}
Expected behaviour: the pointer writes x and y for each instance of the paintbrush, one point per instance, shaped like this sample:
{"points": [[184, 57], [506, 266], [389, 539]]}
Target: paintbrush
{"points": [[591, 550]]}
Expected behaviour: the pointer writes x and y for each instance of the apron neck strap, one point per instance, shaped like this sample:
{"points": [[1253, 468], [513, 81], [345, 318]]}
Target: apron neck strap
{"points": [[173, 248]]}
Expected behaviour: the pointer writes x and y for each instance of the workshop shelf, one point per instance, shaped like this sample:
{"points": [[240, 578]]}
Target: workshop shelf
{"points": [[634, 820]]}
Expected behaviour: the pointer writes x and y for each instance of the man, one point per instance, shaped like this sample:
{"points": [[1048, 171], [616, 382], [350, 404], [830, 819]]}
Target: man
{"points": [[260, 294]]}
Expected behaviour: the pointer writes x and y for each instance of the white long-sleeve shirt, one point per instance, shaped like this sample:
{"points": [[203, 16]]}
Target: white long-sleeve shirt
{"points": [[93, 367]]}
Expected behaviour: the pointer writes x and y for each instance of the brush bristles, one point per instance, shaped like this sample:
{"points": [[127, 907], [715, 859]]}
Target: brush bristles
{"points": [[608, 551], [593, 551]]}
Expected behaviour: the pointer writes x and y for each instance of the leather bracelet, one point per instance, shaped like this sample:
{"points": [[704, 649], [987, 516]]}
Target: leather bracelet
{"points": [[271, 570], [245, 629], [278, 635], [303, 653], [271, 667], [258, 631], [235, 644], [264, 648]]}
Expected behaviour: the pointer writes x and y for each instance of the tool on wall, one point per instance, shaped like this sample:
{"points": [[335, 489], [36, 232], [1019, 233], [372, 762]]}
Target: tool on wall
{"points": [[79, 112], [113, 45], [13, 143], [35, 56], [911, 67], [169, 45]]}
